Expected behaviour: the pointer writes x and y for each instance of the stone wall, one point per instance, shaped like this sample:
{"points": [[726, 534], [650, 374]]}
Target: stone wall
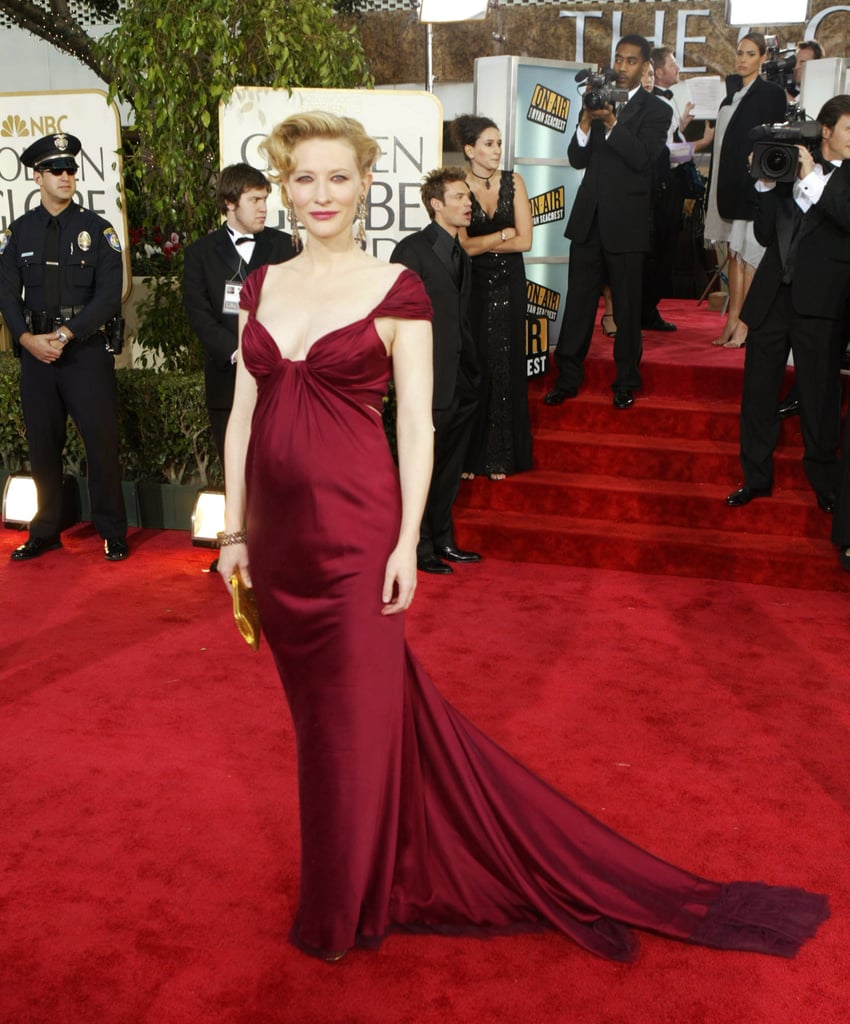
{"points": [[395, 41]]}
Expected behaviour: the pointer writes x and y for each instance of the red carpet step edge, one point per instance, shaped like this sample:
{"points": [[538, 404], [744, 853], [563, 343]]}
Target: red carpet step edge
{"points": [[643, 489]]}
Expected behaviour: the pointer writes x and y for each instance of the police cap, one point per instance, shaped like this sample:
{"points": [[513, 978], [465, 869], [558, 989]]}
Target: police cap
{"points": [[53, 152]]}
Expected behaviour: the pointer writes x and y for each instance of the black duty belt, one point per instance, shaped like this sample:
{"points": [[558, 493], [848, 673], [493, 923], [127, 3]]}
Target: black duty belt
{"points": [[66, 312]]}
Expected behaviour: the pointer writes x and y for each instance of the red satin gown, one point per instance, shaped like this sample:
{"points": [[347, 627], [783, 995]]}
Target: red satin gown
{"points": [[411, 818]]}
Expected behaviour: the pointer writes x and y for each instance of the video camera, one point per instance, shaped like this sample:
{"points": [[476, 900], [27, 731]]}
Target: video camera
{"points": [[779, 66], [600, 89], [775, 154]]}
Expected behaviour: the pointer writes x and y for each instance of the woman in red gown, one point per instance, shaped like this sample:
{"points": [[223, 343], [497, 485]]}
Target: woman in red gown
{"points": [[411, 818]]}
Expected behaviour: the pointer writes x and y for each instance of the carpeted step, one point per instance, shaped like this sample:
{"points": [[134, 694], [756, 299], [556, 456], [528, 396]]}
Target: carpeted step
{"points": [[649, 548], [707, 419], [673, 380], [643, 489], [655, 458], [619, 499]]}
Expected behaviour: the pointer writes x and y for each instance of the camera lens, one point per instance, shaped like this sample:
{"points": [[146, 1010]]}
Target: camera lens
{"points": [[778, 161]]}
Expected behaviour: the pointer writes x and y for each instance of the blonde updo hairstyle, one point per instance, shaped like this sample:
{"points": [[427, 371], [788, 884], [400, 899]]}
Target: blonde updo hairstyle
{"points": [[279, 147]]}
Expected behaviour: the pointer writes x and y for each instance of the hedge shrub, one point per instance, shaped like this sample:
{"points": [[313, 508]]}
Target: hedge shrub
{"points": [[164, 430]]}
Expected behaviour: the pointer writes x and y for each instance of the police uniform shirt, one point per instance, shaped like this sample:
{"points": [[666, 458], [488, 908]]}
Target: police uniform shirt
{"points": [[90, 268]]}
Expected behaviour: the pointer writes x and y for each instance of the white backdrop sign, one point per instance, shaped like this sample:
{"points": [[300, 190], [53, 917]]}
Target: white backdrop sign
{"points": [[27, 116], [408, 126]]}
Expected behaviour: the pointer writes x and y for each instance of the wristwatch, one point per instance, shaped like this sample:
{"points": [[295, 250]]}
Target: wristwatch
{"points": [[63, 336], [502, 233]]}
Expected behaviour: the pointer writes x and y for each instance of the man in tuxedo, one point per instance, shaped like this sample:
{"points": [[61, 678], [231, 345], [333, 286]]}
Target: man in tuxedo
{"points": [[436, 256], [610, 224], [215, 267], [797, 303], [675, 167], [808, 49]]}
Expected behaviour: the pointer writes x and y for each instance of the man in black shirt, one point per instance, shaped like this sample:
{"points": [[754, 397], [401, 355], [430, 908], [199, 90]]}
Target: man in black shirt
{"points": [[436, 256]]}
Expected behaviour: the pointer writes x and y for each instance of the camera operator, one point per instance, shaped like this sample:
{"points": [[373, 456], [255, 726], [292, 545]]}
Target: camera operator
{"points": [[611, 220], [797, 303], [809, 49]]}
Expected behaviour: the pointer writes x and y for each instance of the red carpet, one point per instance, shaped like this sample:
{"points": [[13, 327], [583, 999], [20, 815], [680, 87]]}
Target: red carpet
{"points": [[643, 489], [149, 825]]}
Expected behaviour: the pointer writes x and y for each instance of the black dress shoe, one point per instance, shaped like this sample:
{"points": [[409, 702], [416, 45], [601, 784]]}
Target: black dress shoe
{"points": [[432, 564], [790, 407], [115, 549], [558, 395], [657, 324], [456, 555], [827, 501], [623, 399], [744, 495], [213, 566], [34, 547], [844, 557]]}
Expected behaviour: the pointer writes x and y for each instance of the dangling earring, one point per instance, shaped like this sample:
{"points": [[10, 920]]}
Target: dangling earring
{"points": [[293, 225], [360, 234]]}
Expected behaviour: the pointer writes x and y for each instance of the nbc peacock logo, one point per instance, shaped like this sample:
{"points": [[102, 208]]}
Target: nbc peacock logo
{"points": [[13, 126]]}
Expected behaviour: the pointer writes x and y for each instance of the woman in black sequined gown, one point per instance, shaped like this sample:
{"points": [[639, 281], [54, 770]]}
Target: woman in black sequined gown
{"points": [[499, 233]]}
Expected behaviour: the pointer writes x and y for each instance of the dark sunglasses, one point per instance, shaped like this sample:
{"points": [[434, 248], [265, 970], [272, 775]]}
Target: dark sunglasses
{"points": [[59, 171]]}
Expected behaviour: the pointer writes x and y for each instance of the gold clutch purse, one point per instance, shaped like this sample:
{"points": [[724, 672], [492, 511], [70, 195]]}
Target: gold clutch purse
{"points": [[245, 611]]}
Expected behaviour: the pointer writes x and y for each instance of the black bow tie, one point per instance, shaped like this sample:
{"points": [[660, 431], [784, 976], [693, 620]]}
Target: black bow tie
{"points": [[244, 240], [666, 93], [819, 158]]}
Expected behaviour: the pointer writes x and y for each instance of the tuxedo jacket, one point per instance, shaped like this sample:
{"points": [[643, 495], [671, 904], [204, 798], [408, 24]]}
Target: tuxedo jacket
{"points": [[454, 346], [821, 272], [619, 175], [209, 264], [764, 103]]}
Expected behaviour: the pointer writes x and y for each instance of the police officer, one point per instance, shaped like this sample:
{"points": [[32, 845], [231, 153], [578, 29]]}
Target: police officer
{"points": [[60, 281]]}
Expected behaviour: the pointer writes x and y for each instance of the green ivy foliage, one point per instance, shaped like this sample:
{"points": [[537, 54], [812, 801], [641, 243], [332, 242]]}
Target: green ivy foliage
{"points": [[165, 423], [175, 62], [165, 337], [13, 436]]}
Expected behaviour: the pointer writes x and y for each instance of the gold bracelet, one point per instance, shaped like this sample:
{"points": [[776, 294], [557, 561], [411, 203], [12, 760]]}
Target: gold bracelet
{"points": [[237, 537]]}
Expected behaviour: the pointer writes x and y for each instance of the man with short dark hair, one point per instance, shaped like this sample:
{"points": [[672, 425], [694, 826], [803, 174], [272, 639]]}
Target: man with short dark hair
{"points": [[797, 304], [215, 267], [435, 254], [675, 173], [610, 224], [60, 282], [809, 49]]}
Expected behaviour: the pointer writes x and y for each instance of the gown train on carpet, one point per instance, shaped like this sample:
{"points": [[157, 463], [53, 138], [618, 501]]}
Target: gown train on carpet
{"points": [[411, 818]]}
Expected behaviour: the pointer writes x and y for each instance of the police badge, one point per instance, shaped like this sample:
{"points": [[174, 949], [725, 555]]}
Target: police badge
{"points": [[111, 236], [84, 241], [60, 142]]}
